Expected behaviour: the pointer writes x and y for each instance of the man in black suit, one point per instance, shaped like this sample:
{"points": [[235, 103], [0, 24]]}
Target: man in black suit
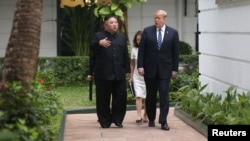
{"points": [[158, 60], [109, 63]]}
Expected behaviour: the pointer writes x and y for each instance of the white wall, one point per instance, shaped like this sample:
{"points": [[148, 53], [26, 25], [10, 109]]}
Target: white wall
{"points": [[49, 29], [224, 44], [189, 24], [48, 43], [139, 17], [7, 9]]}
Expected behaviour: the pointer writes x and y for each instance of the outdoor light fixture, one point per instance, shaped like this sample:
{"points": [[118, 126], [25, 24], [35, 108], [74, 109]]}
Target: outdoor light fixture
{"points": [[74, 3], [71, 3], [104, 2]]}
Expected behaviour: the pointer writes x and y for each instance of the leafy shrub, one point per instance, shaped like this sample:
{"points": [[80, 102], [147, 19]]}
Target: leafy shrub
{"points": [[185, 48], [27, 114], [68, 71], [47, 79], [232, 108], [191, 60], [180, 81], [130, 99]]}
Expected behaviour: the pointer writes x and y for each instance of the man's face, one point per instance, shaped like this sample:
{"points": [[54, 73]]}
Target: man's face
{"points": [[111, 25], [159, 20]]}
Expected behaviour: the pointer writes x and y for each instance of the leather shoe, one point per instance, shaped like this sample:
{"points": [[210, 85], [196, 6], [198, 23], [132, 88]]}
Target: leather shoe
{"points": [[119, 125], [164, 126], [138, 121], [151, 124], [105, 126]]}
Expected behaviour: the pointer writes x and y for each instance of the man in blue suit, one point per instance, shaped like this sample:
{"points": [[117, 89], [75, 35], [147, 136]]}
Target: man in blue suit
{"points": [[158, 60]]}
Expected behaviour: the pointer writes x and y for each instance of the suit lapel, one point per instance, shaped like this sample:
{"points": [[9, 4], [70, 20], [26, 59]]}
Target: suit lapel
{"points": [[164, 42], [155, 36]]}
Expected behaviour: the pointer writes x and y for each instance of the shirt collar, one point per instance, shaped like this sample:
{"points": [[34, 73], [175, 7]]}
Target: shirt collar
{"points": [[111, 35], [162, 28]]}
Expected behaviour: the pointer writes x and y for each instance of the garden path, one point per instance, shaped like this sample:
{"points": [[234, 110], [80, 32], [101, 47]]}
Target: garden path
{"points": [[84, 127]]}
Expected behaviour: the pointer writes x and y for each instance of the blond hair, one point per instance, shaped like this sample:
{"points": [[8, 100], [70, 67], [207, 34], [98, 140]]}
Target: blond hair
{"points": [[161, 12]]}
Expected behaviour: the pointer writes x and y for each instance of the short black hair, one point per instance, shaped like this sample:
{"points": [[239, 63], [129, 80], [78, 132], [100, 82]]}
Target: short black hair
{"points": [[108, 17]]}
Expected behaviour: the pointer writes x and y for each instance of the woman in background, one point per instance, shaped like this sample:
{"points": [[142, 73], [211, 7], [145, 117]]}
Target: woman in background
{"points": [[138, 80]]}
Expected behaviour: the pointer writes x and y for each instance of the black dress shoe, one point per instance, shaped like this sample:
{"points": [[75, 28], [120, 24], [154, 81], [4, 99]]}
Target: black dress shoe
{"points": [[151, 124], [164, 126], [119, 125], [105, 126]]}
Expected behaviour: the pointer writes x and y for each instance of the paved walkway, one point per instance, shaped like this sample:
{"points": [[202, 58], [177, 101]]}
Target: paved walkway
{"points": [[84, 127]]}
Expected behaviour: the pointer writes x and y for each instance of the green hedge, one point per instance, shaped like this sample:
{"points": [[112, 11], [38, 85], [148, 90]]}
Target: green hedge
{"points": [[72, 71], [67, 70], [185, 48]]}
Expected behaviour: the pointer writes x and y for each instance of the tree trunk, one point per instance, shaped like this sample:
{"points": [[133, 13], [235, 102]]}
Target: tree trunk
{"points": [[21, 58], [124, 24]]}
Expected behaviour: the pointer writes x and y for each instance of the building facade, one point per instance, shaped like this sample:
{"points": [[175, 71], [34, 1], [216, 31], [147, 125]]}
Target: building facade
{"points": [[224, 39], [48, 42], [181, 15], [224, 44]]}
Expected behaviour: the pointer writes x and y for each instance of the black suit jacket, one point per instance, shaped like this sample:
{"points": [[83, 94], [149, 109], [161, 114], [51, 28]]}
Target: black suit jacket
{"points": [[162, 61], [112, 62]]}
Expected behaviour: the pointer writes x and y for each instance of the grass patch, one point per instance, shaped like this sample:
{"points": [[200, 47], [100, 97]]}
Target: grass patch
{"points": [[75, 97]]}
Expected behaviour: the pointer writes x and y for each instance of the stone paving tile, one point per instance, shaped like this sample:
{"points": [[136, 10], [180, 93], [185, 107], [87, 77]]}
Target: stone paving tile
{"points": [[84, 127]]}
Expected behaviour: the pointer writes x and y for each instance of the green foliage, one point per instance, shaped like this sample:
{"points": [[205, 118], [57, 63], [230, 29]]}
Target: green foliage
{"points": [[68, 71], [232, 108], [191, 60], [76, 25], [72, 71], [180, 81], [130, 97], [47, 78], [28, 114], [185, 48], [116, 8]]}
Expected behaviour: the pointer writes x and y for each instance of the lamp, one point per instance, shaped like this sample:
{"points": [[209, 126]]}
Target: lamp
{"points": [[104, 2], [71, 3]]}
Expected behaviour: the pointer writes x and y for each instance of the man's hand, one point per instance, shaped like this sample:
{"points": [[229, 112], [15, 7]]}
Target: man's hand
{"points": [[105, 42], [141, 71], [89, 77], [174, 74]]}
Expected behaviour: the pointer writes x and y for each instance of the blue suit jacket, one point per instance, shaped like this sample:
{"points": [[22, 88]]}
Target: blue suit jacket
{"points": [[162, 61]]}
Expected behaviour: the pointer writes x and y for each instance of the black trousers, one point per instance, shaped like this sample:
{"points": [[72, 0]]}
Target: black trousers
{"points": [[156, 86], [105, 89]]}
